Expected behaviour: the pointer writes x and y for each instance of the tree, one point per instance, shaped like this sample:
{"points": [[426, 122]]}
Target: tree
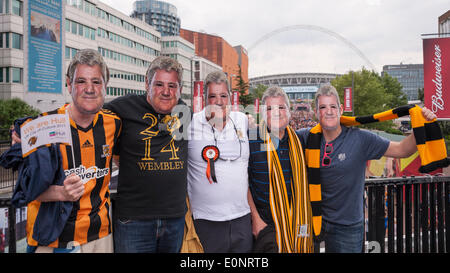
{"points": [[394, 89], [370, 95], [244, 97], [258, 91], [420, 95], [11, 110]]}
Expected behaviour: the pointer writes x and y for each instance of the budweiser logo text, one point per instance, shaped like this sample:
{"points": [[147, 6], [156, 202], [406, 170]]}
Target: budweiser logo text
{"points": [[436, 99]]}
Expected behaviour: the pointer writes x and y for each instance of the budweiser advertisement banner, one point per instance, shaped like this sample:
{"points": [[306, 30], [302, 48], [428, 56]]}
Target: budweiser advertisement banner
{"points": [[436, 68], [348, 100]]}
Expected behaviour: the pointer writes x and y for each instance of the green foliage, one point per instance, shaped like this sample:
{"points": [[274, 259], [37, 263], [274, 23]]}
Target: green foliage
{"points": [[420, 92], [372, 94], [445, 127], [10, 110], [258, 91], [242, 87], [394, 90]]}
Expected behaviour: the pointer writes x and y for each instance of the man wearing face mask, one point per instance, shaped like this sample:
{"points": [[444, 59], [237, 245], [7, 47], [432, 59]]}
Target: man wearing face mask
{"points": [[279, 200], [94, 133], [217, 173], [344, 152], [151, 192]]}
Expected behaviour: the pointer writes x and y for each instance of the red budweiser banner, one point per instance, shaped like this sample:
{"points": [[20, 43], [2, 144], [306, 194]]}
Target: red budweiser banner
{"points": [[235, 101], [256, 105], [348, 99], [436, 74], [197, 101]]}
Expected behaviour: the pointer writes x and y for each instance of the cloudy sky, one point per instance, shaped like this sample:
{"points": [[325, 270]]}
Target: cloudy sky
{"points": [[325, 36]]}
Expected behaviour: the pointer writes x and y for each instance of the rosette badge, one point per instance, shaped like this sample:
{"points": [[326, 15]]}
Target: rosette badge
{"points": [[210, 154]]}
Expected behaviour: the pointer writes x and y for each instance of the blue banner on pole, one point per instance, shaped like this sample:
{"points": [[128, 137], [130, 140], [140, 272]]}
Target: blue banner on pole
{"points": [[45, 46]]}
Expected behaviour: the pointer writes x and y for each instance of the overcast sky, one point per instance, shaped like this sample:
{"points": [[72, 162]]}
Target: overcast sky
{"points": [[325, 36]]}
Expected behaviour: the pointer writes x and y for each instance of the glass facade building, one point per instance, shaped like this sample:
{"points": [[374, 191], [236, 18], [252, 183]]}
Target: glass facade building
{"points": [[128, 45], [409, 75], [161, 15]]}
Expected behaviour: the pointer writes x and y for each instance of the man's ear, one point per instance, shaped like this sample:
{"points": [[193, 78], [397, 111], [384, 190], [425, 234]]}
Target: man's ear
{"points": [[69, 85], [181, 91], [147, 87]]}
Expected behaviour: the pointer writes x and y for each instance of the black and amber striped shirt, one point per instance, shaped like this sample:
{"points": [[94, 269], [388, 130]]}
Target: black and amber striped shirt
{"points": [[93, 150]]}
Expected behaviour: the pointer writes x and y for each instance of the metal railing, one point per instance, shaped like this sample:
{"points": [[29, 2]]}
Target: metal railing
{"points": [[10, 236], [7, 177], [404, 215], [408, 214]]}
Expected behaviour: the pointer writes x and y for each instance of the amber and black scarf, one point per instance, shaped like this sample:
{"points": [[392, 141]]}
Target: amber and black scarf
{"points": [[429, 141], [292, 217]]}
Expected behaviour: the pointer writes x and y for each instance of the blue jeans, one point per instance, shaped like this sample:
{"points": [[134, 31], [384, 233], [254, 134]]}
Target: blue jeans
{"points": [[342, 238], [148, 236]]}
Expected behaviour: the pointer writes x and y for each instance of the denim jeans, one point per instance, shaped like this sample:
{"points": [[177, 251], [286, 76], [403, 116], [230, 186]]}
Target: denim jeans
{"points": [[342, 238], [148, 236]]}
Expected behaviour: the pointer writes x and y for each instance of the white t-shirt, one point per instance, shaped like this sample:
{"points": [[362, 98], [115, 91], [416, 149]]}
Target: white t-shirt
{"points": [[226, 199]]}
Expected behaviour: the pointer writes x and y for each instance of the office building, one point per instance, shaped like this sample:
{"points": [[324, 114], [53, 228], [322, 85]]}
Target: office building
{"points": [[202, 67], [215, 49], [409, 75], [444, 24], [161, 15], [39, 38]]}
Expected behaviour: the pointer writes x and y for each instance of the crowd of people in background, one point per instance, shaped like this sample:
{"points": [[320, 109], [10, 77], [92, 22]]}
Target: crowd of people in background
{"points": [[302, 116]]}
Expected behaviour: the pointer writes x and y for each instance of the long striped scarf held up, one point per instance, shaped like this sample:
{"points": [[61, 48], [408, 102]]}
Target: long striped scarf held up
{"points": [[429, 140], [293, 217]]}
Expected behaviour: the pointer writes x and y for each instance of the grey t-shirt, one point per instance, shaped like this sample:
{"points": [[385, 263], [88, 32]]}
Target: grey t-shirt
{"points": [[343, 180]]}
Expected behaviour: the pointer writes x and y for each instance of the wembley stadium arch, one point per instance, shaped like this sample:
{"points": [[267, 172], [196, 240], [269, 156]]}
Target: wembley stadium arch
{"points": [[302, 85]]}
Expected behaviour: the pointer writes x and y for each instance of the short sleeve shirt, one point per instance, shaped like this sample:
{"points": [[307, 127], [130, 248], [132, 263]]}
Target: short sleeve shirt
{"points": [[343, 180]]}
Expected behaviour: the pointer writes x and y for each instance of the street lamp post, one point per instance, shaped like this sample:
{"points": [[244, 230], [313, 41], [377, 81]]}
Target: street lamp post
{"points": [[231, 81]]}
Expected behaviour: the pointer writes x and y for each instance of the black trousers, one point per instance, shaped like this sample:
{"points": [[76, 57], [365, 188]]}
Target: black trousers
{"points": [[266, 241], [234, 236]]}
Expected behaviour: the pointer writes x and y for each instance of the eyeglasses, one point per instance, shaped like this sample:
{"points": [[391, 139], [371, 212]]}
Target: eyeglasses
{"points": [[326, 160]]}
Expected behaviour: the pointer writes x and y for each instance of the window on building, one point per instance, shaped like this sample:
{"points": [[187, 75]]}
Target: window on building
{"points": [[1, 72], [80, 29], [73, 52], [16, 74], [16, 40], [17, 7], [74, 27], [6, 74], [1, 6], [6, 40]]}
